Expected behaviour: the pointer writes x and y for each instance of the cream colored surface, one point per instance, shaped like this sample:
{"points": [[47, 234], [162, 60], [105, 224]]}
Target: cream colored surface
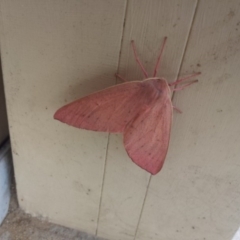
{"points": [[197, 195], [125, 185], [3, 115], [56, 51]]}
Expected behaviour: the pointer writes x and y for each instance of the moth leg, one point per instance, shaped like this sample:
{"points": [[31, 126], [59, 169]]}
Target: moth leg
{"points": [[138, 60], [184, 79], [159, 57], [177, 109], [121, 78], [184, 86]]}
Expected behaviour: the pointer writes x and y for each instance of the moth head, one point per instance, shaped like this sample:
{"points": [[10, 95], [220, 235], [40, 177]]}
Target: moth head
{"points": [[162, 85]]}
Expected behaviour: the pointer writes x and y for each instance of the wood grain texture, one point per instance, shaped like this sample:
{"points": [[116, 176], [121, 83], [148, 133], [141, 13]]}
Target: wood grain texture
{"points": [[54, 52], [197, 195], [125, 185]]}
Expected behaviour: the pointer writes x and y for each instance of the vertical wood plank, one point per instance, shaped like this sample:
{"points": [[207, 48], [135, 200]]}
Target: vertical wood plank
{"points": [[196, 196], [54, 52], [125, 184]]}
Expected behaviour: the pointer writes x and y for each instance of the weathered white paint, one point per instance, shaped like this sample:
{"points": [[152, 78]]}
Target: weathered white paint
{"points": [[125, 184], [56, 51], [197, 195]]}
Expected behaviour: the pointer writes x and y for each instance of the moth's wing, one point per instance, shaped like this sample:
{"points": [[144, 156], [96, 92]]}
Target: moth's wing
{"points": [[108, 110], [146, 138]]}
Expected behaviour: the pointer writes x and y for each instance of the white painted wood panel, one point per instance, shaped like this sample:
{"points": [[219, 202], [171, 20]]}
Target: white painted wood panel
{"points": [[125, 184], [54, 52], [196, 196]]}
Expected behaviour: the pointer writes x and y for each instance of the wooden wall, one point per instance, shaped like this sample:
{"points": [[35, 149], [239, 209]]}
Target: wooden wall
{"points": [[54, 52]]}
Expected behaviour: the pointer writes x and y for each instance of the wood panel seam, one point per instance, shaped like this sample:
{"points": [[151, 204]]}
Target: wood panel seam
{"points": [[108, 140], [186, 45], [144, 200], [103, 180], [179, 70], [121, 44]]}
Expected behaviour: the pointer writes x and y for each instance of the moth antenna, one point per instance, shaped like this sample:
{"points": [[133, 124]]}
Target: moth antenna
{"points": [[184, 79], [138, 60], [186, 85], [159, 57]]}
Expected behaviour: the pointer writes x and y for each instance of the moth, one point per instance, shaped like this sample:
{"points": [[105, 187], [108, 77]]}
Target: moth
{"points": [[141, 110]]}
